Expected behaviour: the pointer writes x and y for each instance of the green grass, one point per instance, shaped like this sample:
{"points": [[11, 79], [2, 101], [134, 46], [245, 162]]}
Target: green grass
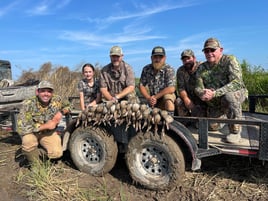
{"points": [[46, 181]]}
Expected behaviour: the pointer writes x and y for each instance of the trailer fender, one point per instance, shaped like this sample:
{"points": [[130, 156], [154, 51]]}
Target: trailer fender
{"points": [[186, 136], [67, 133]]}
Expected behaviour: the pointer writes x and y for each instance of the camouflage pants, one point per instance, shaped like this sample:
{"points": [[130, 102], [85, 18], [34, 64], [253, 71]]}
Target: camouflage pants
{"points": [[229, 104], [50, 141], [198, 111]]}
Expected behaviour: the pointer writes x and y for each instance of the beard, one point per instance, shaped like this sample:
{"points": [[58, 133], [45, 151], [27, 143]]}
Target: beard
{"points": [[158, 65], [189, 65]]}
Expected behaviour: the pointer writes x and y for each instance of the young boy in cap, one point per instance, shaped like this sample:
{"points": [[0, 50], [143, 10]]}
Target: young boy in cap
{"points": [[159, 77], [37, 122], [220, 85]]}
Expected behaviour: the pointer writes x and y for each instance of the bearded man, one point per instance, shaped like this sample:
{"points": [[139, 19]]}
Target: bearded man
{"points": [[188, 103], [157, 82]]}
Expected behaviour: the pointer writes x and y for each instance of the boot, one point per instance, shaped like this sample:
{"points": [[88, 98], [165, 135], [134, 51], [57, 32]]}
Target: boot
{"points": [[233, 138], [31, 156], [235, 128], [214, 127]]}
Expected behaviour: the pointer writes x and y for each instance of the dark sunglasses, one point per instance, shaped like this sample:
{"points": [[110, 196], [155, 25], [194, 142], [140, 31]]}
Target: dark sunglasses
{"points": [[208, 50]]}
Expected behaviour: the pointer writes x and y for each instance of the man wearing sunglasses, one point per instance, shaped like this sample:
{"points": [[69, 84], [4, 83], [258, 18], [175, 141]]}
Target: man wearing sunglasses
{"points": [[220, 85]]}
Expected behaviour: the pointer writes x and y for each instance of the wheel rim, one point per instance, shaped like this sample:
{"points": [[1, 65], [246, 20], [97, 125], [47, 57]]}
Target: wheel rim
{"points": [[154, 160], [91, 150]]}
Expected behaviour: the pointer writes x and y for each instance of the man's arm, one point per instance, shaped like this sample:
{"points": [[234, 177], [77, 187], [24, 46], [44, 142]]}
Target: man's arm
{"points": [[125, 92], [51, 124], [187, 101], [106, 94]]}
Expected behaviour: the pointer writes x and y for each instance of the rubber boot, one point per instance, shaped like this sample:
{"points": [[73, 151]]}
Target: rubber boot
{"points": [[31, 156]]}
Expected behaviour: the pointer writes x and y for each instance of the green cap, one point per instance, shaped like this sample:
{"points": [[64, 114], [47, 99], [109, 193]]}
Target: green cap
{"points": [[45, 85], [116, 50], [187, 53], [212, 43]]}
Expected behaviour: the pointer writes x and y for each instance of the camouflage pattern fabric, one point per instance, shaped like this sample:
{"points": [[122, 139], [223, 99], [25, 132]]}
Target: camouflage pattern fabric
{"points": [[186, 81], [226, 76], [90, 93], [115, 81], [32, 113], [157, 82], [226, 79], [229, 104]]}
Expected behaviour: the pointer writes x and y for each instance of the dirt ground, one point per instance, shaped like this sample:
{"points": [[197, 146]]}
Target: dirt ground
{"points": [[221, 178]]}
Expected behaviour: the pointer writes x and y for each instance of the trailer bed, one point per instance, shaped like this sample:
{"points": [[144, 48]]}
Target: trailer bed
{"points": [[249, 135]]}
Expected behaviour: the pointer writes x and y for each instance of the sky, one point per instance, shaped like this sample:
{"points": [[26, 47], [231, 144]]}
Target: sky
{"points": [[73, 32]]}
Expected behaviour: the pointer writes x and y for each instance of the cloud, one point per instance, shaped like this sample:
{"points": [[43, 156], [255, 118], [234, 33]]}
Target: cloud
{"points": [[146, 11], [5, 10], [48, 7], [99, 40]]}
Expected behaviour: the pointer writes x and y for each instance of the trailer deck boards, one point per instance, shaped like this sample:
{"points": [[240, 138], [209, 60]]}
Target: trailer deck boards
{"points": [[249, 134]]}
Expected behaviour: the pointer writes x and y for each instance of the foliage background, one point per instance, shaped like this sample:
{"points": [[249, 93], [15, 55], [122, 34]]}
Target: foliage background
{"points": [[65, 80]]}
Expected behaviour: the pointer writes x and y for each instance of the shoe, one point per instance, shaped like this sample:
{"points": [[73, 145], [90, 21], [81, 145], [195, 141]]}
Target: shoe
{"points": [[213, 127], [235, 128], [233, 138]]}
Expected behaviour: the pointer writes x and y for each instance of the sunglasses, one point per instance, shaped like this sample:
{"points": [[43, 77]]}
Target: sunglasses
{"points": [[209, 50]]}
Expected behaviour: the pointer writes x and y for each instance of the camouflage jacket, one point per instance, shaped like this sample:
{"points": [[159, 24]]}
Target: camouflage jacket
{"points": [[115, 81], [186, 81], [157, 82], [226, 76], [32, 113]]}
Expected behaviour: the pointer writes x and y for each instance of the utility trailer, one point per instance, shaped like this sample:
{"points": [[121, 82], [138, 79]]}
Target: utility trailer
{"points": [[157, 159]]}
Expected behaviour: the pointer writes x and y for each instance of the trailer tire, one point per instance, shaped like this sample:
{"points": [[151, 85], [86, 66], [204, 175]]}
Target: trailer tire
{"points": [[155, 162], [93, 150]]}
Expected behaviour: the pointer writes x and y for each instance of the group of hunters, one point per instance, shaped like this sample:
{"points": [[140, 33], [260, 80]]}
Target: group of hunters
{"points": [[213, 88]]}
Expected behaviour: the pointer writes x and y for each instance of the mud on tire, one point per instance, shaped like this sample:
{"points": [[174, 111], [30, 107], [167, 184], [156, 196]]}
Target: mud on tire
{"points": [[93, 150], [155, 162]]}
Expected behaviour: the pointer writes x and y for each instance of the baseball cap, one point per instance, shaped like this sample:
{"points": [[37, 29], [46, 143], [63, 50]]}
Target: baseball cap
{"points": [[212, 43], [187, 53], [45, 85], [158, 51], [116, 50]]}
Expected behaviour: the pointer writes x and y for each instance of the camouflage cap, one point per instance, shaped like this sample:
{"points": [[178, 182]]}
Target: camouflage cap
{"points": [[187, 53], [45, 85], [116, 50], [158, 51], [212, 43]]}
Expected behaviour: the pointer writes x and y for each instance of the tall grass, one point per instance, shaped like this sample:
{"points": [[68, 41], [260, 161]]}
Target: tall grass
{"points": [[46, 181]]}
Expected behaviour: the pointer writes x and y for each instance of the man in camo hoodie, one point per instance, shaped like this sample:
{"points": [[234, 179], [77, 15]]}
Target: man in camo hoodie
{"points": [[220, 84]]}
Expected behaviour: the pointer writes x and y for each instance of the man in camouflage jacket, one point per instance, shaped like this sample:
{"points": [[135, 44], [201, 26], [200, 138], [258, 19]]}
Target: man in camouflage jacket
{"points": [[188, 103], [220, 84], [38, 120]]}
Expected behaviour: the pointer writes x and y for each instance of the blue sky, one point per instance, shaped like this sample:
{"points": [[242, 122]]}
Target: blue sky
{"points": [[72, 32]]}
